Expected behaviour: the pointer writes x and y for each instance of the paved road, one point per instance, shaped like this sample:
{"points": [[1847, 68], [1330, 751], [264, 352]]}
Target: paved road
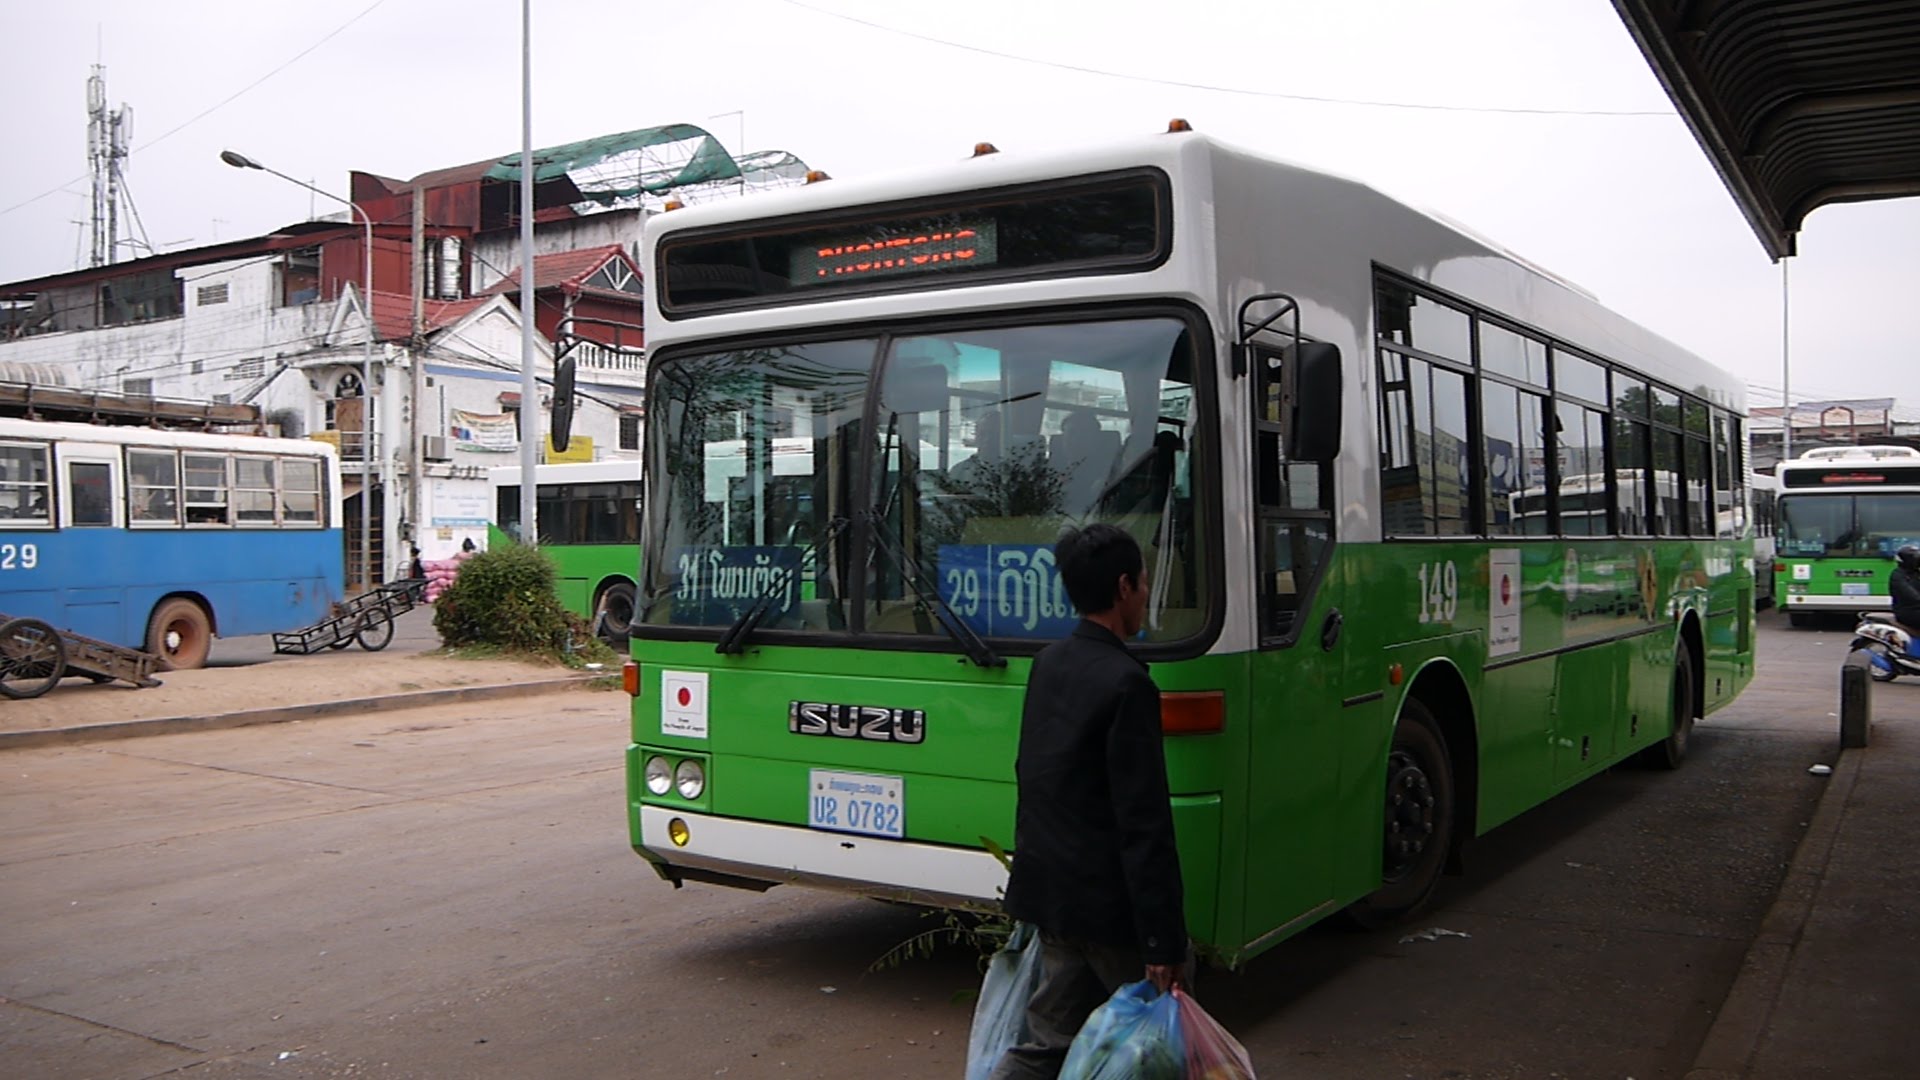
{"points": [[435, 894]]}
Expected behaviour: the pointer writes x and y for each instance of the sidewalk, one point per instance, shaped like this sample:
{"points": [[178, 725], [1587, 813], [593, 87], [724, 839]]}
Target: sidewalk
{"points": [[327, 683], [1831, 984]]}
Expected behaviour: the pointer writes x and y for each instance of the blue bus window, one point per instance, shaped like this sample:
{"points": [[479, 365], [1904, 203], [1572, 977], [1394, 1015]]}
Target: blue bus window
{"points": [[24, 483], [90, 490]]}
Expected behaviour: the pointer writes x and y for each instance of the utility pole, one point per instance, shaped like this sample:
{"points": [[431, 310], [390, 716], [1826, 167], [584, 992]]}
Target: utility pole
{"points": [[529, 390], [417, 369], [1786, 374]]}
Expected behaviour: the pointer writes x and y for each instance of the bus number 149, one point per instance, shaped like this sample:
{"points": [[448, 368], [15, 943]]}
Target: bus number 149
{"points": [[1439, 592]]}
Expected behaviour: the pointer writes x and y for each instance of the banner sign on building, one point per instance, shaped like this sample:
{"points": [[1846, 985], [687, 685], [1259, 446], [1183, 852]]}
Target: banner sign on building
{"points": [[494, 434]]}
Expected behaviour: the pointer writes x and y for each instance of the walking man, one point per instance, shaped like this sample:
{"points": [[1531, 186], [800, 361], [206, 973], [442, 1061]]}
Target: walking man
{"points": [[1094, 862]]}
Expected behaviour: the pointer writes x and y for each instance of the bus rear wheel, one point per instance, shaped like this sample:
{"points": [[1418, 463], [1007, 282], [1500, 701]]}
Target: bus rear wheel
{"points": [[1669, 752], [612, 612], [1419, 820], [180, 635]]}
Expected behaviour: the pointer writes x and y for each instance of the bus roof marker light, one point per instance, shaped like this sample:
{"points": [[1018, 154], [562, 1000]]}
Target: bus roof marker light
{"points": [[982, 149], [814, 176], [672, 204], [1177, 125]]}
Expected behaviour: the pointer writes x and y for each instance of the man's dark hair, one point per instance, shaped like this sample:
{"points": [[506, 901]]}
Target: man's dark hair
{"points": [[1092, 561]]}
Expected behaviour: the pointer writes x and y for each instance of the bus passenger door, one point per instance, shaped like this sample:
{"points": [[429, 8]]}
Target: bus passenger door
{"points": [[1295, 681], [90, 516]]}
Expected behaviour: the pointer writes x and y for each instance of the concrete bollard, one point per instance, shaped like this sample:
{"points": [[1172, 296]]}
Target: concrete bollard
{"points": [[1856, 700]]}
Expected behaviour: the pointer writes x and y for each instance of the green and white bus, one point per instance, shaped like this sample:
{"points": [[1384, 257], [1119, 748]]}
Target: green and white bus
{"points": [[1303, 398], [589, 515], [1842, 513]]}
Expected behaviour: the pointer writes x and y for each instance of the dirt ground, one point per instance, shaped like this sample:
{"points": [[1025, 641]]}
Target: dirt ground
{"points": [[293, 680]]}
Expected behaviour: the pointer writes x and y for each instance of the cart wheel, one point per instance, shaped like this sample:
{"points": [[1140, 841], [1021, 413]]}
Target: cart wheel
{"points": [[375, 634], [32, 658]]}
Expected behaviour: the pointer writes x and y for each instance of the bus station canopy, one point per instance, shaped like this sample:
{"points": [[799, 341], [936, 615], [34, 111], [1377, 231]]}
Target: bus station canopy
{"points": [[1799, 103]]}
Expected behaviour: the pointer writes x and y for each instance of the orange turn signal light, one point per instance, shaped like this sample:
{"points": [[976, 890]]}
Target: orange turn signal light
{"points": [[1193, 712], [630, 678]]}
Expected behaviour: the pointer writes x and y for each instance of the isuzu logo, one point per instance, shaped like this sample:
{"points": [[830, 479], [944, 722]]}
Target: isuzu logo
{"points": [[857, 722]]}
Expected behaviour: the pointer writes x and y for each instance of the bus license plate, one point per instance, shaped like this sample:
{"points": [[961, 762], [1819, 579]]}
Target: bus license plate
{"points": [[857, 803], [1856, 588]]}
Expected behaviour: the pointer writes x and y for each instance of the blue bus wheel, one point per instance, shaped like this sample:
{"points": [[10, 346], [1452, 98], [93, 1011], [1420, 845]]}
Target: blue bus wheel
{"points": [[180, 634]]}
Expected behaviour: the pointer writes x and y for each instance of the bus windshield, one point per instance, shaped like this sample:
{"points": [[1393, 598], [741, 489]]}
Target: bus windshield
{"points": [[1848, 526], [853, 477]]}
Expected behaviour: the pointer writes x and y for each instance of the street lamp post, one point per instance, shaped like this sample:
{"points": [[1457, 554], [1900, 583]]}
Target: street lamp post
{"points": [[368, 412]]}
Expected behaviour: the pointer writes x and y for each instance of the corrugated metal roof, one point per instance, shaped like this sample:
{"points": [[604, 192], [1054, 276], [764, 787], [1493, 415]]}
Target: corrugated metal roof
{"points": [[1799, 103]]}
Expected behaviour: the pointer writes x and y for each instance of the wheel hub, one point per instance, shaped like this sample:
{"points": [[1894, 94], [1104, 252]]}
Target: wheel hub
{"points": [[1410, 813]]}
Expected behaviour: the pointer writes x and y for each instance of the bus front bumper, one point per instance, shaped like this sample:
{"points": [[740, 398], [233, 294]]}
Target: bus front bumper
{"points": [[755, 854]]}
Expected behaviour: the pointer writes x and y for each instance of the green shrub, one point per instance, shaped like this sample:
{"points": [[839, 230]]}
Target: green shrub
{"points": [[505, 598]]}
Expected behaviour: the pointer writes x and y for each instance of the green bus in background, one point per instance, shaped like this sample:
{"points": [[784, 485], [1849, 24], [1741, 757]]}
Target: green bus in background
{"points": [[1315, 408], [1842, 513], [589, 515]]}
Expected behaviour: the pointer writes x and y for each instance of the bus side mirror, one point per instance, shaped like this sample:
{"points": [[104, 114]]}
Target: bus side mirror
{"points": [[561, 424], [1310, 399]]}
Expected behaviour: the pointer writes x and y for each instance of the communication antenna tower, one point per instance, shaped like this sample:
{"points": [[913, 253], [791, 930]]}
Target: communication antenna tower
{"points": [[108, 135]]}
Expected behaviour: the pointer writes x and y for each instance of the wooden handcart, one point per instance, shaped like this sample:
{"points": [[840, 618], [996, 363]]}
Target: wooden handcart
{"points": [[367, 619], [34, 657]]}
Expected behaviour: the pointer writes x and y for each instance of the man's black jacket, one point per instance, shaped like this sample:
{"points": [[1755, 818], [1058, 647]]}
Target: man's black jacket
{"points": [[1094, 854], [1905, 585]]}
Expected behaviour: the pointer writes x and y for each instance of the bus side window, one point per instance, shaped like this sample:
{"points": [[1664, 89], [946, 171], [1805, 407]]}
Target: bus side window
{"points": [[153, 487], [90, 493], [206, 486], [24, 486]]}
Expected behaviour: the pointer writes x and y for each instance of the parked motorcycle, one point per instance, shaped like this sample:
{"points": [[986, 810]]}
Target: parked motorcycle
{"points": [[1888, 645]]}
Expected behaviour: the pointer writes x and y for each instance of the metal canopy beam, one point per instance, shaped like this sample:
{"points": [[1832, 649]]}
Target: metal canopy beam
{"points": [[1798, 103]]}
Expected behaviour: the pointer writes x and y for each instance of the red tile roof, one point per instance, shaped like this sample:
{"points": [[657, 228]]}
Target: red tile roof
{"points": [[393, 314], [562, 269]]}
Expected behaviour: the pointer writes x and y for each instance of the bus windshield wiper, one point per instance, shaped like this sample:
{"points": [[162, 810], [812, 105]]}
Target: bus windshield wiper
{"points": [[735, 638], [977, 650]]}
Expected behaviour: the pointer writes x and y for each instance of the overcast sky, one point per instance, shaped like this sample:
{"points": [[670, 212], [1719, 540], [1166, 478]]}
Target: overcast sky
{"points": [[1627, 206]]}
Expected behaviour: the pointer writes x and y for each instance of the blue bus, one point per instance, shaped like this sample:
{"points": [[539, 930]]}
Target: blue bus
{"points": [[160, 540]]}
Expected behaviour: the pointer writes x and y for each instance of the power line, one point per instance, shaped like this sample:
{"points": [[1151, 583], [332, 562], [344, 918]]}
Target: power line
{"points": [[217, 106], [1313, 98]]}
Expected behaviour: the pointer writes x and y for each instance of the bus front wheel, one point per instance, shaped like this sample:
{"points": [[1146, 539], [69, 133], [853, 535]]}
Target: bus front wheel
{"points": [[180, 635], [1419, 820], [613, 611]]}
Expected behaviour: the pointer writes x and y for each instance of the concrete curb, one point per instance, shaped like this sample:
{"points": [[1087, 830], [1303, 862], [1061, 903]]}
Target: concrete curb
{"points": [[172, 725], [1744, 1018]]}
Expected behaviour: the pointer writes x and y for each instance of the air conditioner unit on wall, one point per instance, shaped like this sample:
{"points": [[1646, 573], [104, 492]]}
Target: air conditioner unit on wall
{"points": [[434, 448]]}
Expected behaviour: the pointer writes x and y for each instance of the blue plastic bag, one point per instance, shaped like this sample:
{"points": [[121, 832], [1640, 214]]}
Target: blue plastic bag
{"points": [[1134, 1036], [1000, 1016]]}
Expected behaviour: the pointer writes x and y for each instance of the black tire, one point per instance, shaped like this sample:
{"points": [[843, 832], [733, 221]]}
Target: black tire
{"points": [[1670, 752], [375, 633], [180, 634], [33, 658], [1419, 821], [612, 613], [1799, 620]]}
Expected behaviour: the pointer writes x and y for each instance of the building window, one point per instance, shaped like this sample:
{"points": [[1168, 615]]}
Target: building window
{"points": [[244, 370], [629, 431], [137, 387]]}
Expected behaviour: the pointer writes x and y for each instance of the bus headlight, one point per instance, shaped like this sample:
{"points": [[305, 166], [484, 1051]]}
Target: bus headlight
{"points": [[659, 775], [691, 779]]}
